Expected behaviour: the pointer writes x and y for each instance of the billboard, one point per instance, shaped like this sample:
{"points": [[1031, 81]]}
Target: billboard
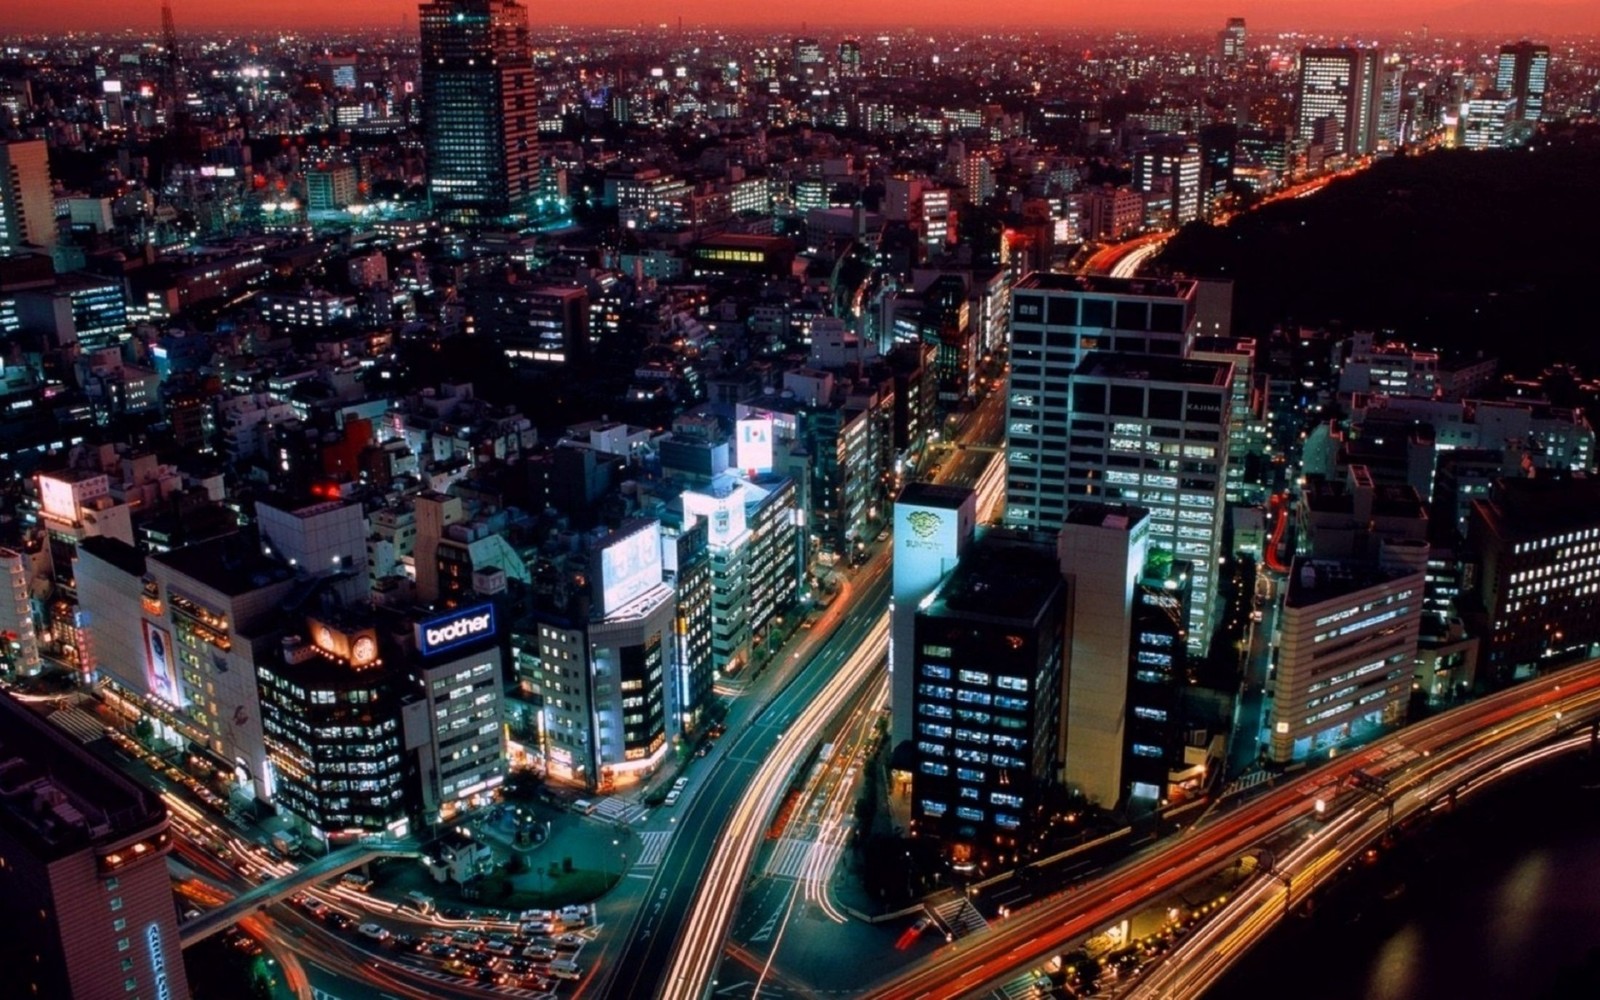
{"points": [[459, 627], [753, 443], [160, 673], [724, 515], [629, 564]]}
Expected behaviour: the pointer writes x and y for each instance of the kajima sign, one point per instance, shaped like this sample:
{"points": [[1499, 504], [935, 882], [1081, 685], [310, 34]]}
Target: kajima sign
{"points": [[455, 628], [158, 962]]}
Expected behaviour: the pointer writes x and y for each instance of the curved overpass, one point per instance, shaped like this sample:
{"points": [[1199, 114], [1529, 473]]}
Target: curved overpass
{"points": [[1510, 720]]}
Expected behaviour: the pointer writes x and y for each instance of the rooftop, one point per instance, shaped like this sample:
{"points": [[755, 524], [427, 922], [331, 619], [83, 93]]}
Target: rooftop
{"points": [[57, 797], [934, 495], [1118, 517], [1002, 578], [1049, 281], [1155, 368], [1313, 581], [231, 565]]}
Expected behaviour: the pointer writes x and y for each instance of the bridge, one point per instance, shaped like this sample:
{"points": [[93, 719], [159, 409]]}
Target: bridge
{"points": [[331, 865]]}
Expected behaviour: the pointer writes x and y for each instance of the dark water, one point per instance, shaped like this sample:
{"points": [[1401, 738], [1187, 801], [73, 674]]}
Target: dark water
{"points": [[1499, 899]]}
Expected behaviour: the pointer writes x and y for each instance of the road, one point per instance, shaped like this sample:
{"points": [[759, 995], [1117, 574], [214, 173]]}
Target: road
{"points": [[993, 957], [690, 897]]}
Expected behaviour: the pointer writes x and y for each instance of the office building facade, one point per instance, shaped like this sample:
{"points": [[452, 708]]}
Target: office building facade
{"points": [[1347, 650], [85, 895], [1521, 74], [990, 661], [933, 525], [1341, 85], [1154, 431], [480, 110], [27, 203], [1055, 321]]}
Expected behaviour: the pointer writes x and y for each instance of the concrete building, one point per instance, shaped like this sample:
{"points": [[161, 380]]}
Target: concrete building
{"points": [[27, 203], [933, 525], [1056, 320], [1154, 431], [1102, 551], [1538, 546], [1347, 649], [990, 667], [84, 889]]}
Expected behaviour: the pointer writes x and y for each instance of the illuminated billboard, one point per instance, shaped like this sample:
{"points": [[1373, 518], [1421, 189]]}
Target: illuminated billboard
{"points": [[160, 672], [753, 443], [629, 563], [724, 515], [459, 627]]}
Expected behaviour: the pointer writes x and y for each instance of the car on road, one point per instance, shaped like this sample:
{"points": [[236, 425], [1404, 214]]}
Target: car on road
{"points": [[539, 952], [356, 881], [672, 797], [571, 941], [340, 921], [376, 932], [677, 786], [578, 916]]}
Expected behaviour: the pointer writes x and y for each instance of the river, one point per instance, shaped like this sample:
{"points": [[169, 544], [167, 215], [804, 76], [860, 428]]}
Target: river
{"points": [[1497, 899]]}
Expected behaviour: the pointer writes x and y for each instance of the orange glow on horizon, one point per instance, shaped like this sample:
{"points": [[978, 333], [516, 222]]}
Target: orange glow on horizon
{"points": [[825, 16]]}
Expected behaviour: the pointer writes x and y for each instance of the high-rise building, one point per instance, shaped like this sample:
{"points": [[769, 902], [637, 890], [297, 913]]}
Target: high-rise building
{"points": [[1102, 549], [933, 525], [1341, 84], [1521, 75], [1537, 541], [1153, 431], [1487, 121], [330, 713], [1348, 641], [850, 57], [480, 109], [1056, 319], [1174, 170], [27, 205], [84, 891], [1231, 42], [990, 677]]}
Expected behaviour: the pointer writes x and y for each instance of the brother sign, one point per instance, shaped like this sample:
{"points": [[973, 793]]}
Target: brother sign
{"points": [[455, 628]]}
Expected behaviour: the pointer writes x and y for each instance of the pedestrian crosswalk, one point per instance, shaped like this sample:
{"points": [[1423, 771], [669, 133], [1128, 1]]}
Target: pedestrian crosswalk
{"points": [[960, 916], [788, 857], [655, 847], [618, 810], [85, 727]]}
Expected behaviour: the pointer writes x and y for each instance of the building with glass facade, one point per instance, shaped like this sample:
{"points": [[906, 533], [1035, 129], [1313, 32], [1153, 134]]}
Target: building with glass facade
{"points": [[480, 110], [989, 660]]}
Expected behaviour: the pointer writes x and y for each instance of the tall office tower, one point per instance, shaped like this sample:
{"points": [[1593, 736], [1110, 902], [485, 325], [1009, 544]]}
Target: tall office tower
{"points": [[1386, 123], [1231, 42], [1153, 431], [1173, 169], [1055, 320], [1521, 74], [1341, 84], [84, 892], [1102, 549], [1348, 639], [850, 57], [480, 109], [990, 651], [933, 526], [808, 62], [1537, 541], [1488, 122], [27, 206]]}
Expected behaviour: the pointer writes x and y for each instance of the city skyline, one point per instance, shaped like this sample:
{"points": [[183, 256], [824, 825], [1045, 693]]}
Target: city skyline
{"points": [[1439, 17]]}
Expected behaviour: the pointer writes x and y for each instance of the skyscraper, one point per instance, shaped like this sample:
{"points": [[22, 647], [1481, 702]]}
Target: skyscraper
{"points": [[1056, 319], [1231, 42], [1341, 84], [932, 527], [480, 109], [990, 646], [1521, 74], [1153, 431], [27, 206]]}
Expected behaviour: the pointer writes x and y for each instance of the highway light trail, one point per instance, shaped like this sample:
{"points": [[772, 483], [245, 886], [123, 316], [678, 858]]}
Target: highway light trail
{"points": [[699, 949]]}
